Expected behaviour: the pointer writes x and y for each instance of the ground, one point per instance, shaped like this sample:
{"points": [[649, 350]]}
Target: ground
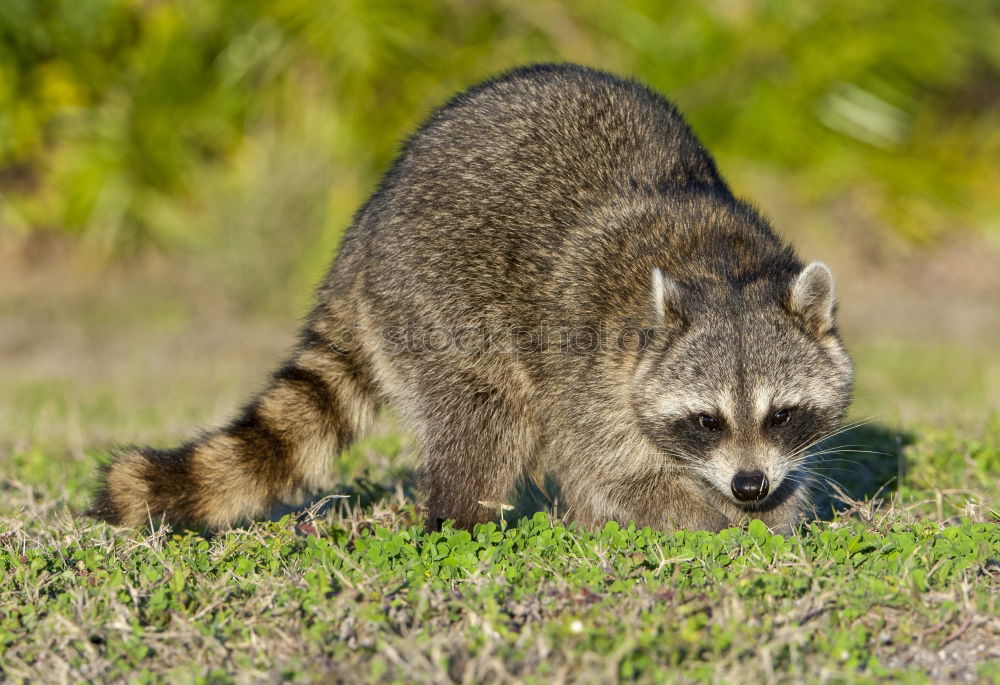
{"points": [[897, 579]]}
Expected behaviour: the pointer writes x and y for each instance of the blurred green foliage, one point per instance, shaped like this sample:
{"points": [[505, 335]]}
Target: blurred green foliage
{"points": [[128, 122]]}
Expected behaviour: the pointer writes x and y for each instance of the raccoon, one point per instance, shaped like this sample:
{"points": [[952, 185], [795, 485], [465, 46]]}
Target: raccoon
{"points": [[552, 280]]}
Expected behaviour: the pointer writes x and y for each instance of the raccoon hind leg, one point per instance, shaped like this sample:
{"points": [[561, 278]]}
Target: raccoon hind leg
{"points": [[476, 448]]}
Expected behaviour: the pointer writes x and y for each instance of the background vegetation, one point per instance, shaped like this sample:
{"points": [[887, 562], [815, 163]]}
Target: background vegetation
{"points": [[122, 122], [174, 177]]}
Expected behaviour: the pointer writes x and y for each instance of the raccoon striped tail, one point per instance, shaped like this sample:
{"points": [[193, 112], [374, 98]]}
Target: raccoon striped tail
{"points": [[279, 445]]}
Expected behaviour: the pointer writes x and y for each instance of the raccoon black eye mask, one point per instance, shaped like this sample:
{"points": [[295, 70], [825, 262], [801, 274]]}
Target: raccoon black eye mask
{"points": [[552, 205]]}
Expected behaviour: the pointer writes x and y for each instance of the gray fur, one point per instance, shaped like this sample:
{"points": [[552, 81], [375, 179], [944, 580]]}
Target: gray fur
{"points": [[522, 224]]}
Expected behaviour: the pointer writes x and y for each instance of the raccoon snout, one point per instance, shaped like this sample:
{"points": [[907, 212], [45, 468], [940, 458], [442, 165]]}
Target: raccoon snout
{"points": [[750, 485]]}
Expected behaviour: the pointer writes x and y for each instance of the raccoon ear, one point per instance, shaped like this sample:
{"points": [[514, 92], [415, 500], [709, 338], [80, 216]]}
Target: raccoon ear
{"points": [[668, 305], [812, 297]]}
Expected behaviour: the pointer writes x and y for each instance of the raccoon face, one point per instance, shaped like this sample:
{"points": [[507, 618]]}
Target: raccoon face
{"points": [[744, 385]]}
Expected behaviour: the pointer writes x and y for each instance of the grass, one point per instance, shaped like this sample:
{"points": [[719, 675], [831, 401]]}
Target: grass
{"points": [[896, 581], [366, 594]]}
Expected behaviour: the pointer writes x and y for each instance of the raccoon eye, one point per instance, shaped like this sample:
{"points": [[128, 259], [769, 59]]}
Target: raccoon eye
{"points": [[781, 417], [708, 422]]}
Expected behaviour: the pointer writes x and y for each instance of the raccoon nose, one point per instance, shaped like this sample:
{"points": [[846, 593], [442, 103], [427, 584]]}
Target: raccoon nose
{"points": [[749, 485]]}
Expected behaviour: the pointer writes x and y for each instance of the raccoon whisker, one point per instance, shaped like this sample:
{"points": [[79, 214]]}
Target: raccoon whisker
{"points": [[833, 458], [808, 470], [798, 475], [806, 475], [832, 471], [860, 422], [806, 444], [818, 482], [688, 460], [830, 486], [845, 466], [796, 459], [851, 426], [680, 455], [811, 442], [676, 467], [822, 458], [805, 447], [856, 460], [806, 479], [813, 475], [847, 448], [802, 452], [831, 462], [683, 456], [796, 471], [798, 481], [688, 465], [826, 461], [841, 450], [837, 451], [691, 468]]}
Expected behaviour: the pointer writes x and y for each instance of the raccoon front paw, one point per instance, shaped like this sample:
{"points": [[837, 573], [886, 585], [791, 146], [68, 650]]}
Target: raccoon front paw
{"points": [[783, 520], [697, 518]]}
